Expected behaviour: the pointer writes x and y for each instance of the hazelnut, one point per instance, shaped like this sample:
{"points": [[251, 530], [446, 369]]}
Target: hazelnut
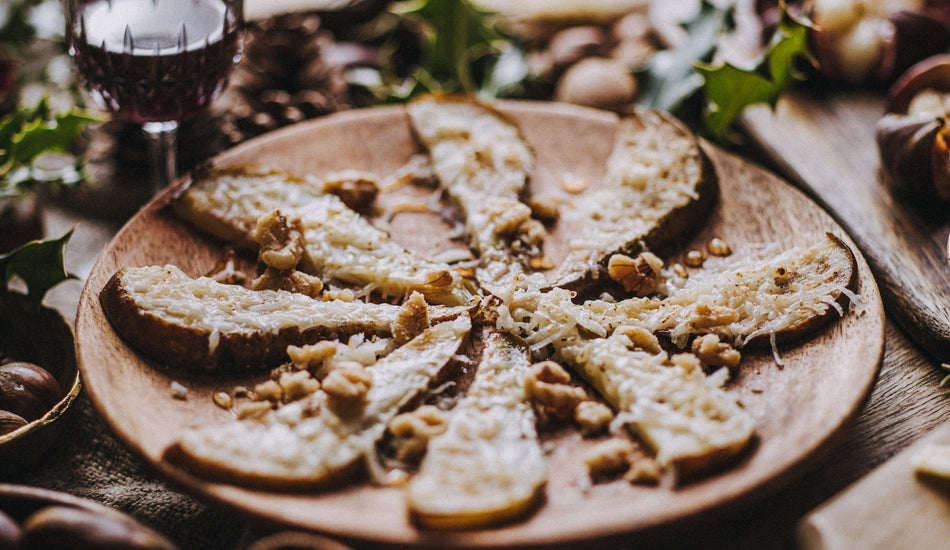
{"points": [[27, 390]]}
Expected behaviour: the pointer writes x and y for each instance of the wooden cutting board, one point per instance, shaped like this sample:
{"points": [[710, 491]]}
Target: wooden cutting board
{"points": [[890, 508], [824, 142]]}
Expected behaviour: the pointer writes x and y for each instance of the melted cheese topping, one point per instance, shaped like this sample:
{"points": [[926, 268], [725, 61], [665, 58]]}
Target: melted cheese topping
{"points": [[482, 162], [340, 243], [488, 464], [654, 168], [306, 440]]}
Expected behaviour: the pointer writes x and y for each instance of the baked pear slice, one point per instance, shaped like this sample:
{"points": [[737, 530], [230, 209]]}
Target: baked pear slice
{"points": [[339, 243], [777, 299], [202, 325], [310, 443], [686, 417], [658, 184], [483, 163], [488, 466]]}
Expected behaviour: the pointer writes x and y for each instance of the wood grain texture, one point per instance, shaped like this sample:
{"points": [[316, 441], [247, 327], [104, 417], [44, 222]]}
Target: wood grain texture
{"points": [[825, 143], [801, 408]]}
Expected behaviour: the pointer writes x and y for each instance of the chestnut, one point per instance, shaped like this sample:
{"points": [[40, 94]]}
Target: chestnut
{"points": [[9, 532], [10, 422], [27, 390], [913, 138], [78, 529]]}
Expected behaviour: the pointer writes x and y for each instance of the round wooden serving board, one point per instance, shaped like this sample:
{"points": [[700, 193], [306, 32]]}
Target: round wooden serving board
{"points": [[800, 407]]}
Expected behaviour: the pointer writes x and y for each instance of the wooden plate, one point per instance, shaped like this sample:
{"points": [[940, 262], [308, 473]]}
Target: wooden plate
{"points": [[800, 406]]}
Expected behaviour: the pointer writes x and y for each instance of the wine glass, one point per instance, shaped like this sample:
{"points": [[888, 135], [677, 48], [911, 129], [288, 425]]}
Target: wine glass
{"points": [[155, 62]]}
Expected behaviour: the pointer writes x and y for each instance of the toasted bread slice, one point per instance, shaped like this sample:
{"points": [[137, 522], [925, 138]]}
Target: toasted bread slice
{"points": [[488, 466], [306, 444], [200, 324], [659, 183], [340, 244], [777, 299], [483, 162]]}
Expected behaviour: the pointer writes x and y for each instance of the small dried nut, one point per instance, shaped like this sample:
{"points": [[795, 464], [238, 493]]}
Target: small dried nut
{"points": [[592, 417], [413, 430], [695, 258], [680, 271], [714, 353], [223, 399], [412, 319], [291, 281], [439, 279], [574, 184], [609, 459], [639, 275], [640, 338], [545, 207], [281, 240], [718, 247], [532, 232], [267, 391], [252, 409], [311, 355], [644, 471], [10, 422], [341, 294], [507, 216], [296, 385], [346, 387], [548, 385]]}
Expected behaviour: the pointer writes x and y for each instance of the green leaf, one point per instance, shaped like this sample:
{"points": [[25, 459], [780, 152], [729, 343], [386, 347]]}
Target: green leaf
{"points": [[669, 79], [730, 89], [41, 265]]}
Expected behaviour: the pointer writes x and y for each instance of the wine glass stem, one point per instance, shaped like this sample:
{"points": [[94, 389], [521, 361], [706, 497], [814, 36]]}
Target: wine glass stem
{"points": [[162, 147]]}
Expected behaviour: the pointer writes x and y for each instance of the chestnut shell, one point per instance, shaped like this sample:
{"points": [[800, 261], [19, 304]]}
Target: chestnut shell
{"points": [[28, 390]]}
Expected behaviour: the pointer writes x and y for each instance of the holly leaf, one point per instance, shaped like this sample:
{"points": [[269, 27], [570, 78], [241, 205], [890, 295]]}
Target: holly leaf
{"points": [[669, 79], [730, 89], [40, 264]]}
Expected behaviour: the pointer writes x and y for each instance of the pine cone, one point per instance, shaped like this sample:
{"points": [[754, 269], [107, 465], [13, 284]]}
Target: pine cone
{"points": [[282, 78]]}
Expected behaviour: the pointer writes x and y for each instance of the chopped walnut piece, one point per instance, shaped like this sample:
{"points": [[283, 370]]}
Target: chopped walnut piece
{"points": [[297, 385], [311, 355], [592, 417], [532, 232], [346, 387], [639, 275], [292, 281], [548, 385], [609, 458], [412, 431], [640, 338], [439, 279], [508, 216], [356, 189], [281, 240], [223, 399], [412, 319], [644, 471], [714, 353], [267, 391]]}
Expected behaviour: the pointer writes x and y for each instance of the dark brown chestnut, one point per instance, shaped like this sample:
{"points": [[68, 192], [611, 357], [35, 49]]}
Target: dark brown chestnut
{"points": [[66, 527], [913, 138], [28, 390], [9, 532]]}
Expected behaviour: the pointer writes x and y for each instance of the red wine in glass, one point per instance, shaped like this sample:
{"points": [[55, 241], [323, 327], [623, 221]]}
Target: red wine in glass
{"points": [[155, 62]]}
